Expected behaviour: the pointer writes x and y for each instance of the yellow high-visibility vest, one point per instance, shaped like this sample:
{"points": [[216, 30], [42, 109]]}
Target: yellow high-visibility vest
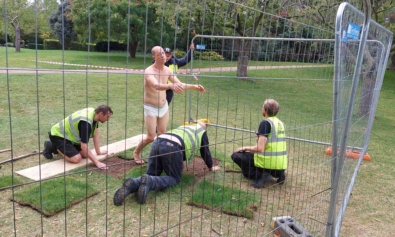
{"points": [[192, 137], [68, 127], [274, 156], [174, 69]]}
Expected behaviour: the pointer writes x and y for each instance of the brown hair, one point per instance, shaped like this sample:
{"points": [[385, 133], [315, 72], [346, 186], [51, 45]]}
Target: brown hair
{"points": [[271, 107], [105, 109]]}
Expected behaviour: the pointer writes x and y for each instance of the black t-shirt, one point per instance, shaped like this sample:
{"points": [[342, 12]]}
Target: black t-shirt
{"points": [[264, 128], [85, 129], [205, 151]]}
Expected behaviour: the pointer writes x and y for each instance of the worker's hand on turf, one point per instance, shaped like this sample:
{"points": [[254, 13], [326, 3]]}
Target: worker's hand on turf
{"points": [[101, 166], [215, 168]]}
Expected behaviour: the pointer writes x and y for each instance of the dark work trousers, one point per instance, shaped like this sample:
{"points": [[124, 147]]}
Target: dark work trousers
{"points": [[167, 156], [245, 160]]}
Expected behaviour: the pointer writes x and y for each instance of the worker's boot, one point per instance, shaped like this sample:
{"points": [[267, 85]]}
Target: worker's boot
{"points": [[264, 179], [144, 188], [48, 150], [281, 180], [129, 186]]}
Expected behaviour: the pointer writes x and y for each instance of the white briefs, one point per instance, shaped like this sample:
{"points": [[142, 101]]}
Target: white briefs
{"points": [[150, 110]]}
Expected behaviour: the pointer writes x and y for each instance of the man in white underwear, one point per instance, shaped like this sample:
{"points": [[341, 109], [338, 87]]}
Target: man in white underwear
{"points": [[156, 114], [150, 110]]}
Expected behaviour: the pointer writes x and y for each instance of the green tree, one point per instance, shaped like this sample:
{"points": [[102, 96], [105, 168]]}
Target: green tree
{"points": [[13, 13], [61, 24], [390, 24], [133, 22], [246, 21], [26, 18], [243, 18], [44, 9], [322, 13]]}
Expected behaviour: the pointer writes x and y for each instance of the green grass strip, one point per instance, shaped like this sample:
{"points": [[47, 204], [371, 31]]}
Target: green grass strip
{"points": [[56, 195], [229, 200], [6, 181]]}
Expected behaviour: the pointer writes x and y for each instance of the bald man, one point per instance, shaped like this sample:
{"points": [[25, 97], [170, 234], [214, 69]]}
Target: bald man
{"points": [[156, 114]]}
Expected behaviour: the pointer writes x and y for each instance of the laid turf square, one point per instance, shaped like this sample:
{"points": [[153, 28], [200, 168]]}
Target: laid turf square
{"points": [[55, 195], [231, 201]]}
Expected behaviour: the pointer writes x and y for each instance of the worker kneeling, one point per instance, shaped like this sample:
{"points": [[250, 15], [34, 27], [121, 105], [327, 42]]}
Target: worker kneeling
{"points": [[167, 154], [268, 158]]}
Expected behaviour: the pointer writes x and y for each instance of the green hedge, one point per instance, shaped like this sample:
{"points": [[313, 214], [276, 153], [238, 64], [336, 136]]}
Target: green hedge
{"points": [[52, 44], [202, 55], [33, 46], [179, 53], [104, 46], [9, 44], [207, 55], [77, 46]]}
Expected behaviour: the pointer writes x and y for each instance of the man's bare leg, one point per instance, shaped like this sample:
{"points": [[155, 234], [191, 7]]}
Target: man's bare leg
{"points": [[162, 123], [75, 159], [150, 124], [139, 148]]}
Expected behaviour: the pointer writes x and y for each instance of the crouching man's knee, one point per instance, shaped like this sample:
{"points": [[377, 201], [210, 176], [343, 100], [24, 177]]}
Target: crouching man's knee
{"points": [[74, 159], [235, 156]]}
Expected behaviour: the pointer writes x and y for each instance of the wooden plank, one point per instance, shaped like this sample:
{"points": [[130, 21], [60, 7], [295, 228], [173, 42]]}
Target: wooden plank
{"points": [[60, 166]]}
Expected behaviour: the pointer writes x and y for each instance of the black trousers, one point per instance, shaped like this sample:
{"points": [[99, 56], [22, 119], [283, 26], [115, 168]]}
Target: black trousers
{"points": [[169, 96], [245, 160]]}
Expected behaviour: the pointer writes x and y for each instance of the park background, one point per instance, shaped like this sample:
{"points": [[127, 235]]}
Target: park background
{"points": [[372, 197]]}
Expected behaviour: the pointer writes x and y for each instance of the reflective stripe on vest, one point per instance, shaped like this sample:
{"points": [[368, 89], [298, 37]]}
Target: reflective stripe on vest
{"points": [[192, 137], [68, 127], [275, 154]]}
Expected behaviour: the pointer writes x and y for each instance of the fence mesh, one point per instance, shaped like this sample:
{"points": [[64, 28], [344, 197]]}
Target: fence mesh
{"points": [[310, 70]]}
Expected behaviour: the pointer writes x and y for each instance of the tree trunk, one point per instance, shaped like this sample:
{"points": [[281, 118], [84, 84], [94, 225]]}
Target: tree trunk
{"points": [[17, 38], [133, 48], [367, 90], [392, 65], [242, 61], [369, 79]]}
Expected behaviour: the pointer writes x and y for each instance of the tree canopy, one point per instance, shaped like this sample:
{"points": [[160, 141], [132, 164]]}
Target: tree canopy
{"points": [[25, 18], [62, 24], [132, 22]]}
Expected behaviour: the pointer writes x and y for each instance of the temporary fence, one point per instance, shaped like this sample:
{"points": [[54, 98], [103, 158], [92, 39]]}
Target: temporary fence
{"points": [[326, 82]]}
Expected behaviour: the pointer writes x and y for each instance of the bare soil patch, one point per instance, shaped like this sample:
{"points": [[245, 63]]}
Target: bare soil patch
{"points": [[118, 167]]}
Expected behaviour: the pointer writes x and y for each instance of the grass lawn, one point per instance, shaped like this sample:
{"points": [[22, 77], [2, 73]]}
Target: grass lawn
{"points": [[32, 59], [32, 103], [373, 196]]}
